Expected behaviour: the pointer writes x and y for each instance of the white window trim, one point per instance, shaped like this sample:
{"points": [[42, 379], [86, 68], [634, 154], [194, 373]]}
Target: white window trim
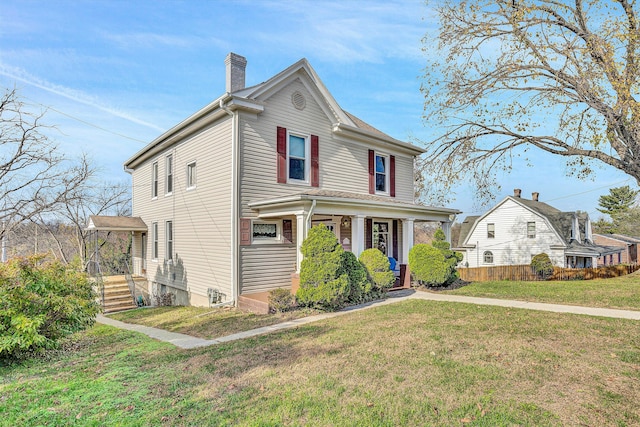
{"points": [[494, 230], [195, 180], [387, 172], [155, 246], [307, 158], [534, 230], [155, 180], [484, 259], [168, 254], [266, 241], [166, 175]]}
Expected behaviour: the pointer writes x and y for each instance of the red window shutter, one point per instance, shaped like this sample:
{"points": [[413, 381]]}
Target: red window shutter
{"points": [[392, 176], [368, 233], [372, 172], [315, 162], [245, 231], [394, 231], [282, 154], [287, 230]]}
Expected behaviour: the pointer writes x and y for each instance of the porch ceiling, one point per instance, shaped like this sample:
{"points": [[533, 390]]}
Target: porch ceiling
{"points": [[342, 203], [115, 223]]}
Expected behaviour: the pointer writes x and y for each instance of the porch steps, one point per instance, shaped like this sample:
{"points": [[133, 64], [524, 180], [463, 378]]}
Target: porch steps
{"points": [[117, 296]]}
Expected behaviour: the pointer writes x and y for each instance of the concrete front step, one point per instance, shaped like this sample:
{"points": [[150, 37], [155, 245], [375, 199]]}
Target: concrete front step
{"points": [[257, 303]]}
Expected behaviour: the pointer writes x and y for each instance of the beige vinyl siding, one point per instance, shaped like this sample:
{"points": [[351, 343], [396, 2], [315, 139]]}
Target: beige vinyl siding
{"points": [[201, 216], [511, 246], [343, 165], [266, 267]]}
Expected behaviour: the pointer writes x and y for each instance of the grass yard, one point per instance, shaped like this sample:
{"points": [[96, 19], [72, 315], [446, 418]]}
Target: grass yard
{"points": [[204, 322], [410, 363], [620, 292]]}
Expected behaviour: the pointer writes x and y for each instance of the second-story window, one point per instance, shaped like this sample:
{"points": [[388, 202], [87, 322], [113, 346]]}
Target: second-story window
{"points": [[169, 176], [491, 231], [191, 175], [382, 173], [531, 230], [298, 153], [154, 180]]}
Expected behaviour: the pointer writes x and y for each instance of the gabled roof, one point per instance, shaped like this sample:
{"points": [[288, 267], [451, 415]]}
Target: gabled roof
{"points": [[252, 99]]}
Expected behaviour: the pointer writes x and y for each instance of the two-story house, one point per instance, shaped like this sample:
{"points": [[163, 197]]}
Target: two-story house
{"points": [[229, 194], [517, 229]]}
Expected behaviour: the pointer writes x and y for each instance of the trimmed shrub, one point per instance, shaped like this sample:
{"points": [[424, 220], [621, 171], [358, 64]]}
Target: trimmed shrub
{"points": [[429, 265], [281, 300], [542, 265], [323, 284], [377, 265], [41, 302], [359, 285]]}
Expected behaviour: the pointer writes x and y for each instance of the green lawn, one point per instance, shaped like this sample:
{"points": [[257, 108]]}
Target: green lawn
{"points": [[410, 363], [620, 292], [205, 322]]}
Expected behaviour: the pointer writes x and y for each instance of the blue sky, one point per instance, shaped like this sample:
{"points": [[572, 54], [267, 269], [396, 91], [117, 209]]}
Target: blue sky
{"points": [[116, 74]]}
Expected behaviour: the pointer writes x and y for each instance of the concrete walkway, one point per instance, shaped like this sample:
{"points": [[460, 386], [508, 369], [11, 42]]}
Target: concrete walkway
{"points": [[187, 341]]}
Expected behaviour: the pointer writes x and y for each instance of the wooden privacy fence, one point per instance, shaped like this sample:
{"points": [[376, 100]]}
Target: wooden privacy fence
{"points": [[526, 273]]}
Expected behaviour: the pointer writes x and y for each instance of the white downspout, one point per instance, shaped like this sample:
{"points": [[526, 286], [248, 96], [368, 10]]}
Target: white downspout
{"points": [[235, 285], [310, 214]]}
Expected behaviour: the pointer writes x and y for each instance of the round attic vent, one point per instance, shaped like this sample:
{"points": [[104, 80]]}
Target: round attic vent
{"points": [[298, 101]]}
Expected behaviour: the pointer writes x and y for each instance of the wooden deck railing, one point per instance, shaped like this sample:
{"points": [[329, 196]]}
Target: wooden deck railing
{"points": [[525, 273]]}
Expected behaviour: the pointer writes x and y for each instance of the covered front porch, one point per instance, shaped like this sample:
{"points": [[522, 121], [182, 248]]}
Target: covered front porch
{"points": [[359, 222]]}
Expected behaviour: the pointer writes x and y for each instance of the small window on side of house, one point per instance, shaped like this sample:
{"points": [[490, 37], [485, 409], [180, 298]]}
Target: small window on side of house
{"points": [[154, 236], [488, 257], [491, 231], [531, 230], [191, 176], [169, 236], [154, 180], [169, 175]]}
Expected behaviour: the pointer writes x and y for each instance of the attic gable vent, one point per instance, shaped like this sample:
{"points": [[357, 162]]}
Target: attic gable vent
{"points": [[298, 100]]}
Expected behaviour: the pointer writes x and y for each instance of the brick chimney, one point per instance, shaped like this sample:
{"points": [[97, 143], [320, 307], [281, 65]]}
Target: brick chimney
{"points": [[517, 192], [534, 196], [235, 67]]}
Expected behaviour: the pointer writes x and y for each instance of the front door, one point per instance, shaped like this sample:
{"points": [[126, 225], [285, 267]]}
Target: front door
{"points": [[381, 237]]}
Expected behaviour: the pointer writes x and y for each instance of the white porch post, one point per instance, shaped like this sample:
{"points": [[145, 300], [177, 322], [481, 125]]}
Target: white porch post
{"points": [[357, 235], [301, 234], [446, 227], [407, 239]]}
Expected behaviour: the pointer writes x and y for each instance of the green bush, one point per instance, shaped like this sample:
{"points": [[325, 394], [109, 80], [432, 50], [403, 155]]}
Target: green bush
{"points": [[41, 302], [359, 285], [281, 300], [377, 265], [542, 265], [323, 284], [429, 265]]}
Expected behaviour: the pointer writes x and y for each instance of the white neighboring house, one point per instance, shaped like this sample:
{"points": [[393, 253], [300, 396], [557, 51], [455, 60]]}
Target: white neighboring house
{"points": [[229, 194], [517, 229]]}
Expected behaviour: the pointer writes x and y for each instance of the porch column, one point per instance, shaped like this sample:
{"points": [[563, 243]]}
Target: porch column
{"points": [[301, 234], [357, 235], [407, 239], [446, 227]]}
